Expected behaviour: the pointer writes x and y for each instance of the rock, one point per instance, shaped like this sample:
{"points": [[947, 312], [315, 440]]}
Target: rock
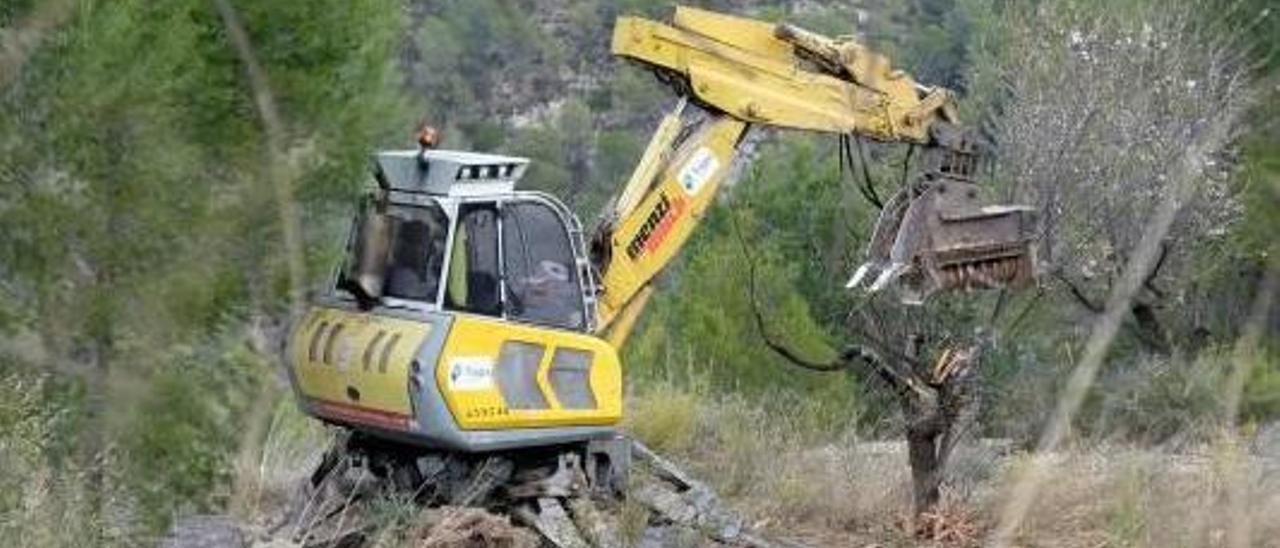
{"points": [[204, 532]]}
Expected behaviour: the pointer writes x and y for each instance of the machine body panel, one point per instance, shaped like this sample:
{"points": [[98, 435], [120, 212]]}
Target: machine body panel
{"points": [[471, 378]]}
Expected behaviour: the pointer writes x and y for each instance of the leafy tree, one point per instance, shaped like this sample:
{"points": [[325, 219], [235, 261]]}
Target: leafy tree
{"points": [[133, 207], [1103, 112]]}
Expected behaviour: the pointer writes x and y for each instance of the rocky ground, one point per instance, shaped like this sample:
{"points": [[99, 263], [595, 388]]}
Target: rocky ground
{"points": [[855, 495]]}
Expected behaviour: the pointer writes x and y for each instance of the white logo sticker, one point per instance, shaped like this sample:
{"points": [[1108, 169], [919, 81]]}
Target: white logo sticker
{"points": [[701, 166], [471, 373]]}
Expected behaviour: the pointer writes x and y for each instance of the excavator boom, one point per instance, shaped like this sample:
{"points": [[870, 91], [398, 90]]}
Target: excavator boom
{"points": [[732, 73]]}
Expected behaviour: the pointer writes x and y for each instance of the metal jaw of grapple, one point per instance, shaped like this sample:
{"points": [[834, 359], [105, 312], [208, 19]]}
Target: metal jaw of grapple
{"points": [[935, 235]]}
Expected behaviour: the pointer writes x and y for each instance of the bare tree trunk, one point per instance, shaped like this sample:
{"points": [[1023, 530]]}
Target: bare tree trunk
{"points": [[935, 409], [927, 465], [936, 403], [1151, 333], [924, 423]]}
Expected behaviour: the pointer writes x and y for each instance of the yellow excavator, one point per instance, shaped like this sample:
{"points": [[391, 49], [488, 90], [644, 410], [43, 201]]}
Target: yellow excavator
{"points": [[469, 343]]}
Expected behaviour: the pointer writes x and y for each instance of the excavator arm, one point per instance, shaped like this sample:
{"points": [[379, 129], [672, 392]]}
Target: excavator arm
{"points": [[731, 73], [785, 76]]}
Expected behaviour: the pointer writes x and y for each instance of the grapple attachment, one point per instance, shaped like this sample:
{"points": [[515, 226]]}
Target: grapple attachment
{"points": [[935, 235], [941, 240]]}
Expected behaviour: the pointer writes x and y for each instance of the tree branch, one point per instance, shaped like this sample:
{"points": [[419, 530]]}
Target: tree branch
{"points": [[779, 348], [1076, 292], [1150, 280], [903, 380]]}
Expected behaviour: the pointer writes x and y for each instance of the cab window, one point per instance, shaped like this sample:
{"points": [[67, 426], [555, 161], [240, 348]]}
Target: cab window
{"points": [[396, 251], [417, 253], [473, 284], [538, 262]]}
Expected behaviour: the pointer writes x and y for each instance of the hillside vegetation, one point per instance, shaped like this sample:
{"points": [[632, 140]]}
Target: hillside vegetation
{"points": [[148, 270]]}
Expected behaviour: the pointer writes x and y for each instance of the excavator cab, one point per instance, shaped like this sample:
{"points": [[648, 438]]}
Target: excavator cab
{"points": [[462, 315]]}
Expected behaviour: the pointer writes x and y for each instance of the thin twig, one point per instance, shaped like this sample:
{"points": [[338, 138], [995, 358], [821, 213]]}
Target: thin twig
{"points": [[1079, 295], [779, 348]]}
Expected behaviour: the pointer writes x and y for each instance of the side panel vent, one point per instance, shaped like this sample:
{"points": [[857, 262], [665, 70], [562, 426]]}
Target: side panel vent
{"points": [[334, 334], [367, 358], [313, 349], [570, 376], [517, 375], [386, 352]]}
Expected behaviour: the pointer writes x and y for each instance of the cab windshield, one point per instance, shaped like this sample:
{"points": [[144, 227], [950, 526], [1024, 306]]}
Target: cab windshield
{"points": [[538, 263]]}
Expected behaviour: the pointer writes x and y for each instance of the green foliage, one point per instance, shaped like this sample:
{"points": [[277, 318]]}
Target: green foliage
{"points": [[1261, 190], [927, 38], [646, 8], [665, 417], [618, 152], [1156, 400], [11, 11], [135, 129], [1261, 399], [179, 437], [459, 47], [574, 161], [332, 70], [27, 431], [635, 96], [43, 497], [764, 234], [138, 220]]}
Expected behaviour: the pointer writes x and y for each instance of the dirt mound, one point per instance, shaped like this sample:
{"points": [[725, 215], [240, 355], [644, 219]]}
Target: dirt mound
{"points": [[454, 527]]}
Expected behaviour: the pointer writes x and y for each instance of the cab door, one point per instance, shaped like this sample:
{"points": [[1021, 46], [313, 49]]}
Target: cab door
{"points": [[542, 285], [526, 362]]}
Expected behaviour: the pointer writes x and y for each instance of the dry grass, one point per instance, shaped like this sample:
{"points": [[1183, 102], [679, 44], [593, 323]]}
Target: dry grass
{"points": [[665, 418], [853, 492], [770, 465], [1112, 496], [44, 501], [293, 447], [786, 471]]}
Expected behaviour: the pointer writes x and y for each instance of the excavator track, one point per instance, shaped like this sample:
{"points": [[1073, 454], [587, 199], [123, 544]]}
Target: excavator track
{"points": [[335, 509]]}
